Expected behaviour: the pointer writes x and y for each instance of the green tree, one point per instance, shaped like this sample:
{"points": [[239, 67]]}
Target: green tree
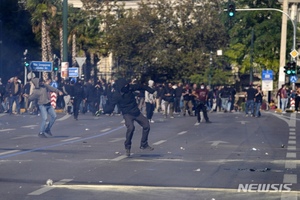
{"points": [[267, 33]]}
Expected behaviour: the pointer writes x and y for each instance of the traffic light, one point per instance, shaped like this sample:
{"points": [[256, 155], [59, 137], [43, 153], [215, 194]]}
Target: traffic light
{"points": [[231, 9], [25, 61], [288, 68], [56, 63], [293, 68]]}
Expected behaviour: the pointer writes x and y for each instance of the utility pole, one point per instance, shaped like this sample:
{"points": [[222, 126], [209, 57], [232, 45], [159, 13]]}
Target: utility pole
{"points": [[65, 31], [251, 58], [282, 61]]}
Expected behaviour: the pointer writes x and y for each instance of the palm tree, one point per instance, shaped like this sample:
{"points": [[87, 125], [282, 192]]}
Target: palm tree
{"points": [[42, 12]]}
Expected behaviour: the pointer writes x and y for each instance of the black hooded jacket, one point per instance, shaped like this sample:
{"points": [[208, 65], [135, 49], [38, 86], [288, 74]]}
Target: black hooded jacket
{"points": [[124, 97]]}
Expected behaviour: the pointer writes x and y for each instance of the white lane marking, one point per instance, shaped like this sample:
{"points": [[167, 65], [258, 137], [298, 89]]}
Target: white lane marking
{"points": [[292, 137], [181, 133], [290, 178], [23, 136], [289, 196], [104, 130], [70, 139], [291, 148], [289, 164], [292, 129], [8, 152], [8, 129], [292, 133], [48, 188], [291, 142], [159, 142], [217, 142], [291, 155], [64, 117], [29, 126], [120, 158], [117, 140]]}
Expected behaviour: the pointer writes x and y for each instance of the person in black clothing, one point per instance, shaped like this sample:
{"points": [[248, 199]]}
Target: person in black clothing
{"points": [[124, 97], [177, 99], [77, 97], [159, 96], [250, 95], [169, 94], [90, 97], [187, 103], [98, 93], [258, 101]]}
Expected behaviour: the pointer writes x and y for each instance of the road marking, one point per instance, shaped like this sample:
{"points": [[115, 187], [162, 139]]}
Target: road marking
{"points": [[48, 188], [292, 129], [290, 178], [29, 126], [117, 140], [243, 122], [292, 133], [61, 144], [216, 143], [289, 196], [23, 136], [159, 142], [182, 133], [1, 115], [290, 155], [64, 117], [70, 139], [120, 158], [8, 152], [8, 129], [291, 148], [291, 142], [289, 164], [104, 130], [292, 137]]}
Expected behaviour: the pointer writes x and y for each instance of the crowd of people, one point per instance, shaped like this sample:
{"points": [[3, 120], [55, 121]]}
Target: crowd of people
{"points": [[82, 97]]}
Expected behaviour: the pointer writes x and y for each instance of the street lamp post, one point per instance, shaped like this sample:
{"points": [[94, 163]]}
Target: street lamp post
{"points": [[65, 31]]}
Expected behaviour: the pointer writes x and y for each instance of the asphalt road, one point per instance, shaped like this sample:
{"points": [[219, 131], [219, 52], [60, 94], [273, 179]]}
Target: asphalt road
{"points": [[235, 157]]}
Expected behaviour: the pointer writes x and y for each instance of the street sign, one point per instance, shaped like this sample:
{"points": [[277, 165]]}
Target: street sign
{"points": [[293, 79], [267, 85], [73, 72], [294, 53], [267, 75], [41, 66], [80, 60]]}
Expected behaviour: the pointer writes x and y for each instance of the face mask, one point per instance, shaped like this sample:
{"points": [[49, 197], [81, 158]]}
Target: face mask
{"points": [[202, 87]]}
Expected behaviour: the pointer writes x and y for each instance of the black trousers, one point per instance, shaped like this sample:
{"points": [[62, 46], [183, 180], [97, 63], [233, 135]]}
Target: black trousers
{"points": [[201, 107], [149, 110], [129, 122], [297, 101], [76, 106]]}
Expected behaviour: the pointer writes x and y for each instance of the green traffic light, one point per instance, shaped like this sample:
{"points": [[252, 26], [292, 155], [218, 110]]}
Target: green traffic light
{"points": [[231, 14], [26, 64]]}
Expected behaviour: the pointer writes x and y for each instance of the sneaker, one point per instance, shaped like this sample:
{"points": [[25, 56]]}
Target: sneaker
{"points": [[147, 148], [171, 117], [48, 133], [127, 152], [151, 121], [42, 135], [197, 123], [246, 115]]}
